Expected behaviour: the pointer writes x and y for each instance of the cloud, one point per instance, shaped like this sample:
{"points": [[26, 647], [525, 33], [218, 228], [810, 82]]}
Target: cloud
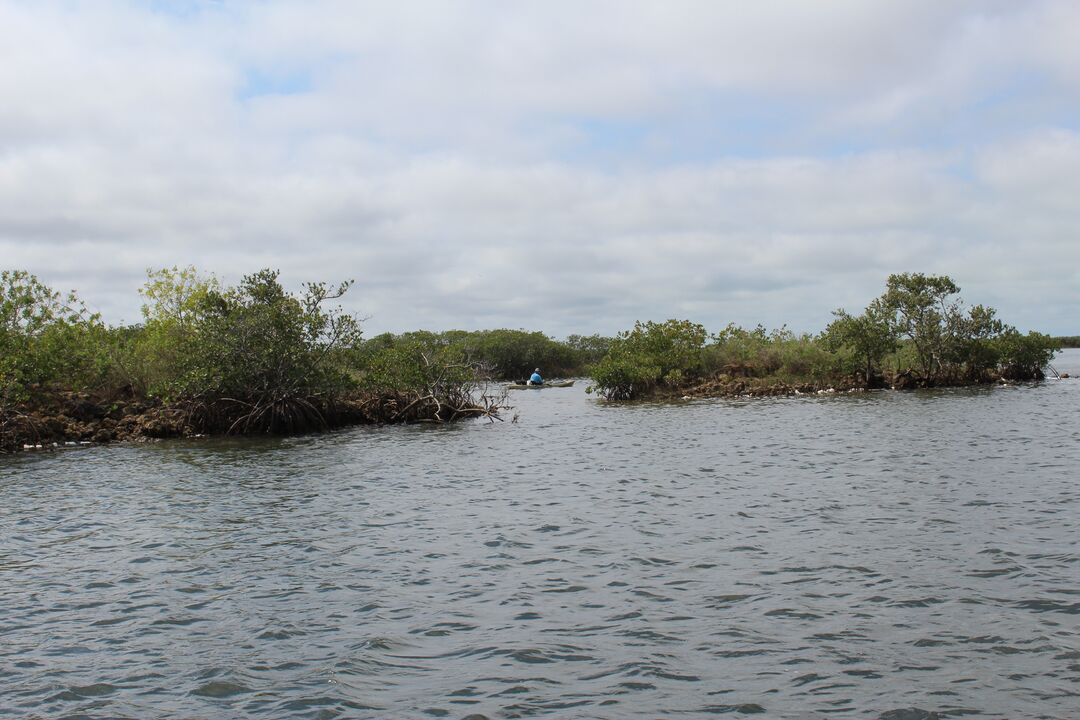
{"points": [[555, 166]]}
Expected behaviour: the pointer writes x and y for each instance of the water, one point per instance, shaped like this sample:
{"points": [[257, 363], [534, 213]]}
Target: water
{"points": [[887, 555]]}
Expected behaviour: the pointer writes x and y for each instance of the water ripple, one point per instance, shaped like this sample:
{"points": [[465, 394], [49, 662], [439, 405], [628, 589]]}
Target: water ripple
{"points": [[886, 555]]}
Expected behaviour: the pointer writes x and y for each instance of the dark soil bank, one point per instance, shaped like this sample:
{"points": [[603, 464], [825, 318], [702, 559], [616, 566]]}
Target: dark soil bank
{"points": [[54, 419]]}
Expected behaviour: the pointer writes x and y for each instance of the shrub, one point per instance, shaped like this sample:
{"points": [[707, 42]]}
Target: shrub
{"points": [[265, 360], [175, 310], [624, 376], [861, 343], [652, 353], [46, 340], [1023, 357]]}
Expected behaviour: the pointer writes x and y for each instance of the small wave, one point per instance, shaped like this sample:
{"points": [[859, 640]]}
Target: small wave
{"points": [[220, 689], [83, 692]]}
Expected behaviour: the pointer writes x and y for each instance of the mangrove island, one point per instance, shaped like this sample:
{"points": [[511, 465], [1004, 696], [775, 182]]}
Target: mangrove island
{"points": [[256, 359]]}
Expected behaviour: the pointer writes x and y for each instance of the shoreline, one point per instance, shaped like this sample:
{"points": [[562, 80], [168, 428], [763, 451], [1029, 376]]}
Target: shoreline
{"points": [[728, 386], [70, 419]]}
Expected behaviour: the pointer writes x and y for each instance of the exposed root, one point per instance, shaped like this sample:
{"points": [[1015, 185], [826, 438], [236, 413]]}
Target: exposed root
{"points": [[75, 417]]}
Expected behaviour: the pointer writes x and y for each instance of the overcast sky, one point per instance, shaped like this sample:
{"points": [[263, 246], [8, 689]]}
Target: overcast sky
{"points": [[559, 166]]}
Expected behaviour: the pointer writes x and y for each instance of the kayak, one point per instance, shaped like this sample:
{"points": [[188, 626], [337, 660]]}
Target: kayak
{"points": [[526, 386]]}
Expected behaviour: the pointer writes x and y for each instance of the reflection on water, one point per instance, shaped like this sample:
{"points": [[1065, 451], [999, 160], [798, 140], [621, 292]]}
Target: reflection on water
{"points": [[878, 555]]}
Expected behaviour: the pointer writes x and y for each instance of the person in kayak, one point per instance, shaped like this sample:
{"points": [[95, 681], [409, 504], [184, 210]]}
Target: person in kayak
{"points": [[535, 379]]}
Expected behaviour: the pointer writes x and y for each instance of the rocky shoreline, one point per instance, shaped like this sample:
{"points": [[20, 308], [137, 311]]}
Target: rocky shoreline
{"points": [[731, 386], [69, 419]]}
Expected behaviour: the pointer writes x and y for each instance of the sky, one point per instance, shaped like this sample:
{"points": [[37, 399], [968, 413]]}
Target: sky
{"points": [[562, 166]]}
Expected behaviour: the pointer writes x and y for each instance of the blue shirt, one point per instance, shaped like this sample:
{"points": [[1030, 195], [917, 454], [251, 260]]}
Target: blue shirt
{"points": [[536, 379]]}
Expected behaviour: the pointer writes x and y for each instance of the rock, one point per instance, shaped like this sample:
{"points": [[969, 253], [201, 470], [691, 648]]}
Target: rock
{"points": [[84, 409], [160, 425]]}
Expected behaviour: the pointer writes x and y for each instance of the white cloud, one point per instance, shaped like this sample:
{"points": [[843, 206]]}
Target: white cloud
{"points": [[448, 156]]}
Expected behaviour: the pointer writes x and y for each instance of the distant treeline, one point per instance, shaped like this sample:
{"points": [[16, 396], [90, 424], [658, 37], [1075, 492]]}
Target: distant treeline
{"points": [[1068, 341], [917, 334], [255, 358], [499, 354]]}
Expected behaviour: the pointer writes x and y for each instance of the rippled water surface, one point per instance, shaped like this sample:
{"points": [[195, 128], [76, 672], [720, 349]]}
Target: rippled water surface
{"points": [[893, 555]]}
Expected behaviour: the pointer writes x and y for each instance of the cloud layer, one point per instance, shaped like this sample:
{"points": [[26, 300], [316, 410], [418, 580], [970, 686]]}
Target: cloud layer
{"points": [[559, 166]]}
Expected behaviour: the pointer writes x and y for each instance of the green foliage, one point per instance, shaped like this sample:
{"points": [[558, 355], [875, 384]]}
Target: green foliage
{"points": [[414, 364], [501, 354], [159, 360], [260, 343], [254, 357], [588, 349], [174, 296], [1023, 357], [916, 327], [257, 358], [423, 376], [738, 351], [512, 354], [803, 359], [971, 351], [922, 312], [950, 345], [624, 376], [862, 342], [651, 354], [46, 340], [675, 344], [780, 354]]}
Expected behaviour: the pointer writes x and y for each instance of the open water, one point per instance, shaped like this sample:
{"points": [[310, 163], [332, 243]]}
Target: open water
{"points": [[881, 555]]}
